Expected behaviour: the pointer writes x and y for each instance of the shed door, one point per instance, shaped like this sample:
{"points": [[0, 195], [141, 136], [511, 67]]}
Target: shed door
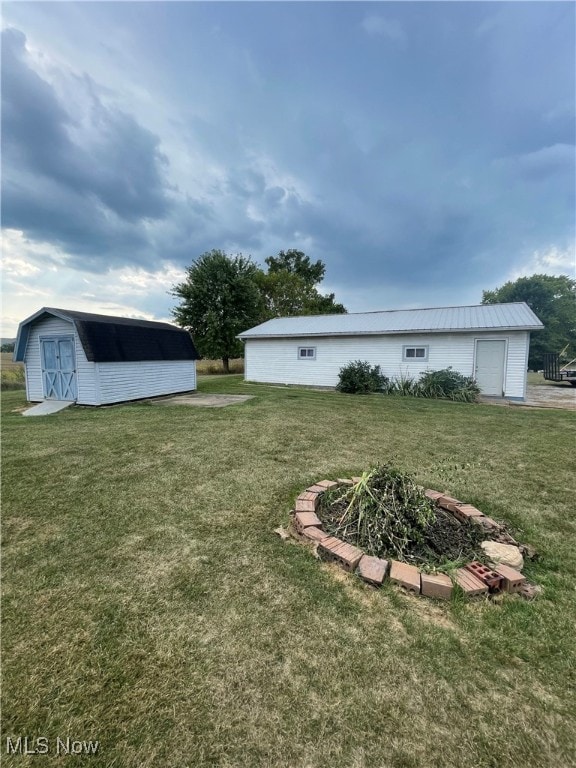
{"points": [[490, 366], [59, 368]]}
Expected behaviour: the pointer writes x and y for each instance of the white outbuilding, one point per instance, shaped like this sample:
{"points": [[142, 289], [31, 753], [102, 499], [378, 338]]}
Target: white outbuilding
{"points": [[488, 342], [99, 359]]}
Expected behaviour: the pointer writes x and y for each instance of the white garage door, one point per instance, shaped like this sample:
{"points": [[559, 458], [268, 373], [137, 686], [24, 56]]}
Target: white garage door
{"points": [[490, 366]]}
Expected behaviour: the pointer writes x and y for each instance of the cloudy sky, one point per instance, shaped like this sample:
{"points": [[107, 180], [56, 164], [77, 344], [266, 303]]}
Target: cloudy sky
{"points": [[423, 150]]}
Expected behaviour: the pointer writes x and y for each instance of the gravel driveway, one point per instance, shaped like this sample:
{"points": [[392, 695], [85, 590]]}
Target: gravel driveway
{"points": [[540, 396], [551, 396]]}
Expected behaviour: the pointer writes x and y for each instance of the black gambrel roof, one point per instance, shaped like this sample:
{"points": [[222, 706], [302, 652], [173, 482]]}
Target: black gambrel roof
{"points": [[107, 339]]}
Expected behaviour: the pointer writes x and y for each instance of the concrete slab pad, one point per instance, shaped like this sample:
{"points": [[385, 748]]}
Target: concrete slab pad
{"points": [[47, 407], [200, 399], [552, 395]]}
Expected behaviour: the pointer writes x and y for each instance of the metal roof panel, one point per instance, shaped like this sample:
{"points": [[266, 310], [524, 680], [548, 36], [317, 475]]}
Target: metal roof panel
{"points": [[516, 316]]}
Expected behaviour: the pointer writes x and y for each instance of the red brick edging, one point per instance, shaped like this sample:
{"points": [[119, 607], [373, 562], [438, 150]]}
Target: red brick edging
{"points": [[474, 579]]}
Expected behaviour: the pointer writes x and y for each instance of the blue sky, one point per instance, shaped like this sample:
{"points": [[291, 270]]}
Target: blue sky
{"points": [[423, 150]]}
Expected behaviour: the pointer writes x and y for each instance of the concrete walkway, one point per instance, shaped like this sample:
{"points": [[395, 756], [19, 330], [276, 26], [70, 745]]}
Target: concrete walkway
{"points": [[47, 407]]}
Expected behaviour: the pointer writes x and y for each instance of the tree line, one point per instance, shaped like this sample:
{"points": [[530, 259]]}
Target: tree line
{"points": [[553, 300], [223, 295]]}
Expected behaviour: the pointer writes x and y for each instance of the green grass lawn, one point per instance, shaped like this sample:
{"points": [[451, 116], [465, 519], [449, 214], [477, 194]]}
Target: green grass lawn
{"points": [[147, 603]]}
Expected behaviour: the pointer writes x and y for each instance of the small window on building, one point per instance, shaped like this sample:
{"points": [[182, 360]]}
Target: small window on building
{"points": [[412, 354], [306, 353]]}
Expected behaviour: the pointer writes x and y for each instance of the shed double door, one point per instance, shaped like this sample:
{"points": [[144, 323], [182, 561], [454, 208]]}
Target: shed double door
{"points": [[59, 368]]}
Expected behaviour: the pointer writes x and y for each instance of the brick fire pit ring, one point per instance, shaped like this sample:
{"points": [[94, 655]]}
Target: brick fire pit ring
{"points": [[473, 579]]}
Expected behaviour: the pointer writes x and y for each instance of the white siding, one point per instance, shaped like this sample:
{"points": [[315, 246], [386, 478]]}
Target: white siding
{"points": [[132, 381], [85, 370], [101, 383], [276, 361], [516, 363]]}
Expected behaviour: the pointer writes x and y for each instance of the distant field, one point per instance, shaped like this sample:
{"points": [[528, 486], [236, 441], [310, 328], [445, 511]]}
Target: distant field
{"points": [[7, 362], [214, 367], [12, 374]]}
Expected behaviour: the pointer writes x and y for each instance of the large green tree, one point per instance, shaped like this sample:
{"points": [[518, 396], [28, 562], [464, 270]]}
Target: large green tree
{"points": [[297, 263], [553, 300], [218, 300], [289, 286]]}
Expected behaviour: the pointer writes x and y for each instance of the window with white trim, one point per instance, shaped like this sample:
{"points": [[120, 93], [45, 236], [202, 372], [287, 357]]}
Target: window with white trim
{"points": [[306, 353], [414, 354]]}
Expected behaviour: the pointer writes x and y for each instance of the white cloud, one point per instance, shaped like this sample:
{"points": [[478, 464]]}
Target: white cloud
{"points": [[541, 162], [379, 26], [139, 282], [563, 110], [550, 261], [488, 25], [22, 257], [36, 277], [12, 265]]}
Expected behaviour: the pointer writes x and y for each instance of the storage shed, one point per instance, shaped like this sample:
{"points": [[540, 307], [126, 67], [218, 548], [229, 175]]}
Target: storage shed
{"points": [[489, 342], [100, 359]]}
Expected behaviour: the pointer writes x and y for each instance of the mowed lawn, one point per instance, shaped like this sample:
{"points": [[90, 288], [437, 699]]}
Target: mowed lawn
{"points": [[147, 603]]}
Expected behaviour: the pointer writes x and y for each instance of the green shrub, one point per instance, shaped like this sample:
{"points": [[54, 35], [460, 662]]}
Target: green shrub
{"points": [[360, 378], [448, 384]]}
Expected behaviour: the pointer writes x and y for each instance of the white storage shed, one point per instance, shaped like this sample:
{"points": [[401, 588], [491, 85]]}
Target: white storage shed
{"points": [[99, 359], [489, 342]]}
